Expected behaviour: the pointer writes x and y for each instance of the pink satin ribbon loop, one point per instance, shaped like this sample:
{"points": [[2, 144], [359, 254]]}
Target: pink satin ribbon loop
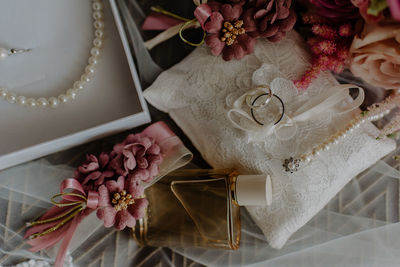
{"points": [[159, 131], [202, 13], [92, 200]]}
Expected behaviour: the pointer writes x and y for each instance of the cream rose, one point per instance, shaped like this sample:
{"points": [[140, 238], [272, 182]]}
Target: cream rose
{"points": [[375, 55]]}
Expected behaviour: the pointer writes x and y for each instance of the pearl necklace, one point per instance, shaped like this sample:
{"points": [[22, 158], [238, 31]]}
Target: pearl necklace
{"points": [[71, 93], [374, 112]]}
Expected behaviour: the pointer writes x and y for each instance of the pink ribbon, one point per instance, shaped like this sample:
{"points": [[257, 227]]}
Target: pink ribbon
{"points": [[67, 230], [202, 13], [158, 22]]}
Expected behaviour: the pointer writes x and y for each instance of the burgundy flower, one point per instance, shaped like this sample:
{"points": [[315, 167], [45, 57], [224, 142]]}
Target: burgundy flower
{"points": [[230, 31], [336, 9], [137, 156], [274, 18], [120, 205], [93, 171]]}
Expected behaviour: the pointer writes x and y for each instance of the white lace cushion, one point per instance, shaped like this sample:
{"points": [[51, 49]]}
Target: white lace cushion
{"points": [[194, 93]]}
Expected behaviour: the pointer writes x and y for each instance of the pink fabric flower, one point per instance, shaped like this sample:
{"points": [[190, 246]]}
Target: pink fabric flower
{"points": [[138, 155], [375, 55], [274, 18], [336, 9], [93, 171], [117, 212], [230, 31]]}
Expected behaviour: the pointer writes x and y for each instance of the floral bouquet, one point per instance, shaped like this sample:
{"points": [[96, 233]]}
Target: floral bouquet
{"points": [[112, 185]]}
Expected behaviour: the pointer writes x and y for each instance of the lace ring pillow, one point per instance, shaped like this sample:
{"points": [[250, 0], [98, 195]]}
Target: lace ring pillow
{"points": [[200, 92]]}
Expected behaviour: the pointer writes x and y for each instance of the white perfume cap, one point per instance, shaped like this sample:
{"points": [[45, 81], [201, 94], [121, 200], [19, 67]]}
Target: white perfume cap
{"points": [[254, 190]]}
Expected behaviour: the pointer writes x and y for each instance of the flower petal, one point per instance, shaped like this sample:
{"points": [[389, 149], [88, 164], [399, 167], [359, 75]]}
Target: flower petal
{"points": [[116, 186], [215, 44], [154, 149], [228, 53], [135, 189], [108, 215], [130, 163], [104, 158], [277, 37], [230, 12], [138, 210], [142, 162], [92, 176], [123, 219], [139, 175], [153, 170], [104, 196]]}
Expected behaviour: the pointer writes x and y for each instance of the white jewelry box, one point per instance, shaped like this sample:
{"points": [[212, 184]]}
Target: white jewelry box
{"points": [[60, 36]]}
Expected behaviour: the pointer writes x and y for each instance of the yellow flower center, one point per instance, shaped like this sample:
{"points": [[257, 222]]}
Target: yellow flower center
{"points": [[122, 200], [231, 31]]}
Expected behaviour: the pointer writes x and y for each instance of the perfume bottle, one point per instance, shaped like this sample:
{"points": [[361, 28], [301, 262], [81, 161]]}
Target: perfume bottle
{"points": [[200, 208]]}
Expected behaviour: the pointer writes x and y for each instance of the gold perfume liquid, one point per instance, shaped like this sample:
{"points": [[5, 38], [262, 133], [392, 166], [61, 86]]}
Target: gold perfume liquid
{"points": [[197, 208]]}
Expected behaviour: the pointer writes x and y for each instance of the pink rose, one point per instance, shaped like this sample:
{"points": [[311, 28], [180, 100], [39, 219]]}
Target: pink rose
{"points": [[375, 55]]}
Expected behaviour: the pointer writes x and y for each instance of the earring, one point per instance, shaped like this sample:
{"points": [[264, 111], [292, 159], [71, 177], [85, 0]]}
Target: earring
{"points": [[5, 53]]}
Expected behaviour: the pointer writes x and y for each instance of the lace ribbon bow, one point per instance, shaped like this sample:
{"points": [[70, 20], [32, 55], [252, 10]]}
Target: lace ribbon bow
{"points": [[333, 102]]}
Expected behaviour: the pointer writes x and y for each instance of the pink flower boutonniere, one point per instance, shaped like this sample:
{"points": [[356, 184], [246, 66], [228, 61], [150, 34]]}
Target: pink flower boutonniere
{"points": [[112, 184]]}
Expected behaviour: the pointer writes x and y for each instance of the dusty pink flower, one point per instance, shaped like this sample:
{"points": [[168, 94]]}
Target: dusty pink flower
{"points": [[336, 9], [375, 55], [93, 171], [274, 18], [230, 31], [120, 205], [137, 155]]}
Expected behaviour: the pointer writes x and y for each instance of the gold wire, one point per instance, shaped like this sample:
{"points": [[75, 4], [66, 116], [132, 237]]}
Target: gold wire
{"points": [[54, 228], [184, 26], [59, 204], [55, 218]]}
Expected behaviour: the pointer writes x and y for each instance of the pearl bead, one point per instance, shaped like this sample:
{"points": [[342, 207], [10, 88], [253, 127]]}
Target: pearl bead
{"points": [[53, 102], [72, 93], [97, 15], [99, 33], [85, 78], [3, 53], [98, 24], [31, 102], [97, 42], [42, 102], [3, 92], [89, 70], [78, 85], [63, 98], [92, 61], [11, 98], [21, 100], [95, 51], [97, 6]]}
